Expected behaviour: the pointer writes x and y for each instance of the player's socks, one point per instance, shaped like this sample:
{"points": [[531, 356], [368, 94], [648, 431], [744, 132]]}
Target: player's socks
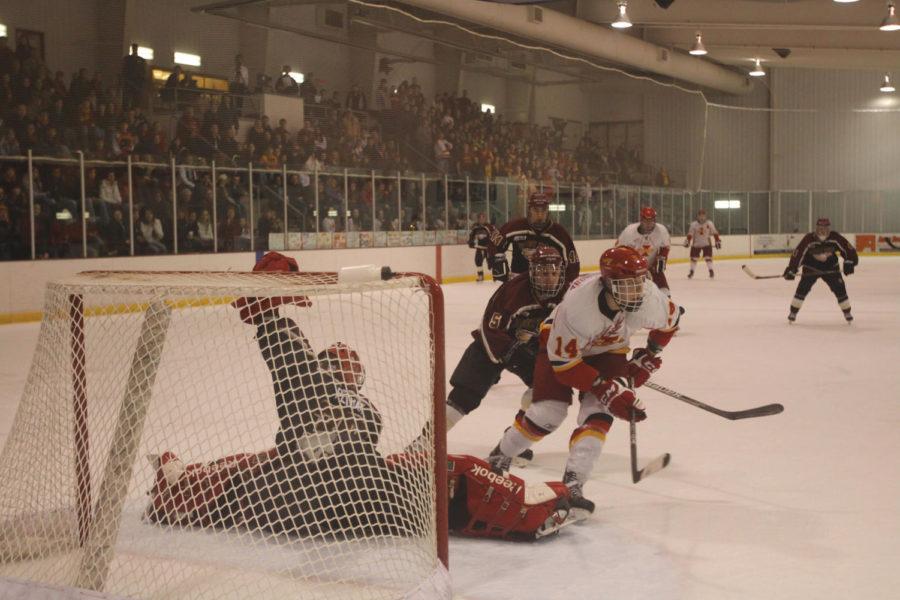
{"points": [[454, 415]]}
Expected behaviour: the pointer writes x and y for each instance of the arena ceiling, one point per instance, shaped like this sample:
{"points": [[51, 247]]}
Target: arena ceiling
{"points": [[783, 33]]}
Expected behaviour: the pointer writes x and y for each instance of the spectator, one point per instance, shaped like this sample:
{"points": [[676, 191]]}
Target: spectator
{"points": [[134, 77], [308, 89], [115, 234], [149, 234], [204, 231], [240, 82], [356, 100], [175, 81], [381, 95], [110, 196], [9, 240], [285, 84], [229, 231], [442, 150]]}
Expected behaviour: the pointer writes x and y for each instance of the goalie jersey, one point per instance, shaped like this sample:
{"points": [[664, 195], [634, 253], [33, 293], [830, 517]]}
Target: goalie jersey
{"points": [[581, 327]]}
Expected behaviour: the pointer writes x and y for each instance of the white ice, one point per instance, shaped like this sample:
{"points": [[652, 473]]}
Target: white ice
{"points": [[805, 504]]}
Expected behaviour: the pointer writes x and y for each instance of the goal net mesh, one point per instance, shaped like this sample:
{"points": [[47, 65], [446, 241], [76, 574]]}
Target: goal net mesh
{"points": [[167, 447]]}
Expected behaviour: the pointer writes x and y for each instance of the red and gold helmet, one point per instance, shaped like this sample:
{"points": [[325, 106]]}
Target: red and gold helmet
{"points": [[624, 271], [648, 213], [344, 363], [546, 272]]}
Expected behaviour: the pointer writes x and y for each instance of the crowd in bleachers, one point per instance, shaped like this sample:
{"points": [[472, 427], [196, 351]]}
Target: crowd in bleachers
{"points": [[58, 117]]}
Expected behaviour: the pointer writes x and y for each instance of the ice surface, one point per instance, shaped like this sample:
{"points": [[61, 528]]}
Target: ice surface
{"points": [[805, 504]]}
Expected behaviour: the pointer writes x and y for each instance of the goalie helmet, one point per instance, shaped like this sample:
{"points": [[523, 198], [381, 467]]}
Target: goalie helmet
{"points": [[539, 211], [344, 363], [546, 272], [624, 271]]}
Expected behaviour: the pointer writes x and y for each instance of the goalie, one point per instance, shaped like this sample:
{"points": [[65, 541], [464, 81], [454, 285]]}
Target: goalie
{"points": [[325, 475]]}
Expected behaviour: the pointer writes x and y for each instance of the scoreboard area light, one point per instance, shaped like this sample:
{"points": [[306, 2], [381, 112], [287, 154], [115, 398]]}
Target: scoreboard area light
{"points": [[727, 204]]}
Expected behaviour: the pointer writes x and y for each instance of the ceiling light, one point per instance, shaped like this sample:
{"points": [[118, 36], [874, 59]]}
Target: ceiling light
{"points": [[698, 49], [757, 70], [891, 22], [622, 21], [886, 86], [846, 1]]}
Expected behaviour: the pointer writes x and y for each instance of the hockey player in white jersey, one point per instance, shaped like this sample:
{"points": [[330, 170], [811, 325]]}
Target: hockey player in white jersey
{"points": [[651, 240], [700, 238], [584, 347]]}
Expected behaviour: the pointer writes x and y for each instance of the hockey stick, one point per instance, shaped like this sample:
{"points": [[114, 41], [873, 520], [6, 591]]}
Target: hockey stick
{"points": [[734, 415], [887, 240], [657, 464], [753, 275]]}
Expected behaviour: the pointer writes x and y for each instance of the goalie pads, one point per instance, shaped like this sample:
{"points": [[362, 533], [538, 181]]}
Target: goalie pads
{"points": [[500, 267], [190, 495], [486, 504]]}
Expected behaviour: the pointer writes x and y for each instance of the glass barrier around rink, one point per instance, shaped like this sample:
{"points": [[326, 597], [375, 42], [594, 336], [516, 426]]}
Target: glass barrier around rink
{"points": [[74, 208]]}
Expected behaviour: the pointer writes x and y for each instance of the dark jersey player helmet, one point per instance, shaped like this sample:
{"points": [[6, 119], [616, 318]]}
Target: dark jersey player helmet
{"points": [[624, 271], [546, 272]]}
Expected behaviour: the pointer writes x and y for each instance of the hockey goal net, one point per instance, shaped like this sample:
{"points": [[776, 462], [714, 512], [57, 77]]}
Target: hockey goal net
{"points": [[166, 447]]}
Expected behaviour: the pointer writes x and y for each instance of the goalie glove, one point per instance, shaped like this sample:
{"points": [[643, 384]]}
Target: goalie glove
{"points": [[619, 399], [643, 364], [500, 268]]}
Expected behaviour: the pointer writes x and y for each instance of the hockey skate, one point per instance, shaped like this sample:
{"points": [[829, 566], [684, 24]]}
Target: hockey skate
{"points": [[479, 278], [849, 318], [580, 507], [560, 518], [524, 458], [792, 317], [690, 274], [712, 274], [500, 463]]}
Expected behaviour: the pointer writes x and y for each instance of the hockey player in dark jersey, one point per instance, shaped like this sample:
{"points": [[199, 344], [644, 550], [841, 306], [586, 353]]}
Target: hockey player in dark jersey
{"points": [[480, 239], [508, 335], [525, 234], [817, 254]]}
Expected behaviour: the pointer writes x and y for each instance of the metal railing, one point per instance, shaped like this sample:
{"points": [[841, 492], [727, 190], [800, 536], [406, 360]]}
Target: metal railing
{"points": [[59, 212]]}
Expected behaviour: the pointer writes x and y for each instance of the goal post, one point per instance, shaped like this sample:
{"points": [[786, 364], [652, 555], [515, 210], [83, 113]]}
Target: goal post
{"points": [[271, 481]]}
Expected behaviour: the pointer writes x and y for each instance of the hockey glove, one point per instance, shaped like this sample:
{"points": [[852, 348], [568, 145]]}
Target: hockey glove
{"points": [[660, 264], [500, 268], [687, 242], [848, 268], [788, 274], [718, 244], [643, 364], [619, 399], [520, 360]]}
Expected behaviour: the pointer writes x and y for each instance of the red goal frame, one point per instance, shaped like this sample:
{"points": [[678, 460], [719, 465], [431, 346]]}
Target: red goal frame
{"points": [[80, 406]]}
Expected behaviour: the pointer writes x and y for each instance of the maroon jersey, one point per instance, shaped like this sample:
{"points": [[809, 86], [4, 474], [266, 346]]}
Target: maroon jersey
{"points": [[821, 255], [524, 239], [480, 236], [512, 315]]}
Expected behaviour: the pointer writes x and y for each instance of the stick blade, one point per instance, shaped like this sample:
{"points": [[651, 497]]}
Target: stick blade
{"points": [[657, 464], [759, 411], [747, 270]]}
